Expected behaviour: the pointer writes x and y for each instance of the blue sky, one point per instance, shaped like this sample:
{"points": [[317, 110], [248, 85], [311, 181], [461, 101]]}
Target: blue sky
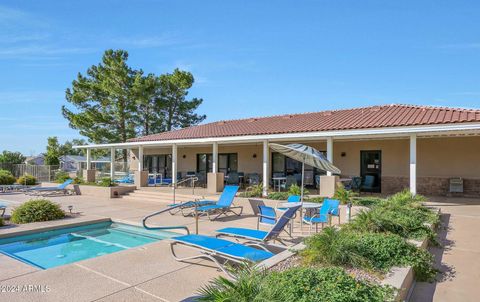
{"points": [[249, 58]]}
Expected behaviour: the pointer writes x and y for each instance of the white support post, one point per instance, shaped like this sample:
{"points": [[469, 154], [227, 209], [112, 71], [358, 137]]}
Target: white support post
{"points": [[330, 152], [89, 159], [140, 158], [413, 164], [266, 152], [174, 165], [112, 163], [215, 158]]}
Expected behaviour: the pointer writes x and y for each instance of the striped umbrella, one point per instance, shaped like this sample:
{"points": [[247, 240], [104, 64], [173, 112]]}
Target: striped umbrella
{"points": [[306, 155]]}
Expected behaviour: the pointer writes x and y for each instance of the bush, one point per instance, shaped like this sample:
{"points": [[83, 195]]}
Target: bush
{"points": [[343, 195], [1, 221], [369, 251], [400, 214], [105, 182], [366, 201], [6, 178], [299, 284], [78, 181], [27, 179], [278, 195], [296, 190], [253, 191], [37, 210], [315, 199], [61, 176]]}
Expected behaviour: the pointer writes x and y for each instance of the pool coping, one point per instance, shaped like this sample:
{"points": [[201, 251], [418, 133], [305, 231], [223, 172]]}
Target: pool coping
{"points": [[70, 222]]}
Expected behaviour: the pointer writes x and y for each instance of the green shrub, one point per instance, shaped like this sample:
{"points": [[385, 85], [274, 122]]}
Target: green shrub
{"points": [[299, 284], [78, 181], [315, 199], [1, 221], [343, 195], [105, 182], [278, 195], [253, 191], [366, 201], [27, 179], [400, 214], [369, 251], [296, 190], [61, 176], [6, 178], [37, 210]]}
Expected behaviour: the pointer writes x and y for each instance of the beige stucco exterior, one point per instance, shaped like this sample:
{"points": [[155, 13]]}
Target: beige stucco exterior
{"points": [[437, 158]]}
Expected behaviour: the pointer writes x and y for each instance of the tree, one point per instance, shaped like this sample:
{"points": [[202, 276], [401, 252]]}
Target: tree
{"points": [[9, 157], [103, 100], [52, 156], [67, 147], [179, 111]]}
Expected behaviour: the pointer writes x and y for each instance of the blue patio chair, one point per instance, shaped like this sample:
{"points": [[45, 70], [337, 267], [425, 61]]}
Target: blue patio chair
{"points": [[368, 183], [258, 237], [334, 205], [290, 180], [223, 205], [213, 248], [291, 198], [43, 191], [253, 179], [266, 216], [356, 183], [321, 218], [317, 181], [233, 178], [3, 208]]}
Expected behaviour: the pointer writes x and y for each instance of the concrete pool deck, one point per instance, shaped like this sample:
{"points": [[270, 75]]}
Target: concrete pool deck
{"points": [[146, 273]]}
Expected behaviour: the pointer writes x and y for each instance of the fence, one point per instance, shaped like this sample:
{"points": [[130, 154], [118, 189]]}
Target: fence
{"points": [[40, 172]]}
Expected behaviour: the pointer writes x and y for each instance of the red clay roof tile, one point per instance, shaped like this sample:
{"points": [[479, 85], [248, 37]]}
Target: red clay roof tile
{"points": [[358, 118]]}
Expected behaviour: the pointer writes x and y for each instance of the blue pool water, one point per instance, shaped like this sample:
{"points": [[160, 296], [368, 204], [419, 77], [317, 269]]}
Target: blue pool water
{"points": [[67, 245]]}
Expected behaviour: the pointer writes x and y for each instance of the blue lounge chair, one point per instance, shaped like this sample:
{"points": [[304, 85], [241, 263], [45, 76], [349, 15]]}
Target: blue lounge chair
{"points": [[321, 218], [223, 205], [128, 179], [213, 248], [50, 190], [258, 237]]}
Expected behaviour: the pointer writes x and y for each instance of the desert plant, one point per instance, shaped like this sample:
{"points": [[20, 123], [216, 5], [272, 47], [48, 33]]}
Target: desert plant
{"points": [[6, 178], [61, 176], [369, 251], [37, 210], [253, 191], [278, 195], [298, 284], [27, 180], [296, 190], [343, 195]]}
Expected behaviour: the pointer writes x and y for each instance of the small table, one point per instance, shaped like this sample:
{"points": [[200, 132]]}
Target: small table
{"points": [[306, 205], [279, 181]]}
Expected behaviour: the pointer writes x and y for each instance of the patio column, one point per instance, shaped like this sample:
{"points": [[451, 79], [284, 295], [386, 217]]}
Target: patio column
{"points": [[174, 164], [330, 152], [112, 163], [215, 158], [140, 158], [265, 168], [413, 164], [89, 159]]}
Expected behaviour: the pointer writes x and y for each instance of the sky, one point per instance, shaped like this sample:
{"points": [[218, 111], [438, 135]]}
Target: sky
{"points": [[249, 58]]}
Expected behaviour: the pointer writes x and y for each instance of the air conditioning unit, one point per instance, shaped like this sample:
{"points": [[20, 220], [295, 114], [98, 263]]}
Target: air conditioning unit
{"points": [[456, 185]]}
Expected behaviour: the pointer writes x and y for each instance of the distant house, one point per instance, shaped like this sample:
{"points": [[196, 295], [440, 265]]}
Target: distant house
{"points": [[68, 163]]}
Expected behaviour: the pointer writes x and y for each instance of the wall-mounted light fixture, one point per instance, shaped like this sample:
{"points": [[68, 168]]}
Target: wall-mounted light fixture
{"points": [[343, 154], [254, 155], [184, 156]]}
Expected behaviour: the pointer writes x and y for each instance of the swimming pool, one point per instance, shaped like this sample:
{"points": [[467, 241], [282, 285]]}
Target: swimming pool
{"points": [[67, 245]]}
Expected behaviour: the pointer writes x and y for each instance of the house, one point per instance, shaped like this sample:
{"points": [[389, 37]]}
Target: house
{"points": [[397, 146], [71, 163]]}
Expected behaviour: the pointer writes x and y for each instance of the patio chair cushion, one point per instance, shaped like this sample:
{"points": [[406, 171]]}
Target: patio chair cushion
{"points": [[211, 207], [245, 233], [225, 247]]}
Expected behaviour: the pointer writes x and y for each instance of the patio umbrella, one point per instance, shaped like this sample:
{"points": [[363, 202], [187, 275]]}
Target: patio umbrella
{"points": [[306, 155]]}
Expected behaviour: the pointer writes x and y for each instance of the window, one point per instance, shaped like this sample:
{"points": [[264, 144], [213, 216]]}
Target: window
{"points": [[227, 162], [283, 166], [160, 164]]}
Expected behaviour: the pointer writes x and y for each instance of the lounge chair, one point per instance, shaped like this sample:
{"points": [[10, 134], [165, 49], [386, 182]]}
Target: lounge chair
{"points": [[62, 188], [259, 237], [223, 205], [321, 218], [3, 207], [128, 179], [334, 207], [214, 248]]}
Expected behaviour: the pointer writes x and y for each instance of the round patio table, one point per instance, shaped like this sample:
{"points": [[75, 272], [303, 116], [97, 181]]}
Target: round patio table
{"points": [[306, 205]]}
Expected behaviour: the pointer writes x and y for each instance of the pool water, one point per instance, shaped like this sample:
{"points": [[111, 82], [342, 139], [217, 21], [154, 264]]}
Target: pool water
{"points": [[67, 245]]}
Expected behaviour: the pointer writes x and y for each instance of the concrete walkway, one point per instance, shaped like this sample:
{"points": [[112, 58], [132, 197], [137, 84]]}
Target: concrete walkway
{"points": [[459, 258]]}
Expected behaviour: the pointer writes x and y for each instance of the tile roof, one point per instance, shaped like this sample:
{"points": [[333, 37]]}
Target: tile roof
{"points": [[394, 115]]}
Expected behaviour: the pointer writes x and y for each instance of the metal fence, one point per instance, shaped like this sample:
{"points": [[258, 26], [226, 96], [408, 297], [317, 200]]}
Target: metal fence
{"points": [[40, 172]]}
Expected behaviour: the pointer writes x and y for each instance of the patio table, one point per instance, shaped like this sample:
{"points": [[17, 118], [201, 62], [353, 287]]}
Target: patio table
{"points": [[308, 206]]}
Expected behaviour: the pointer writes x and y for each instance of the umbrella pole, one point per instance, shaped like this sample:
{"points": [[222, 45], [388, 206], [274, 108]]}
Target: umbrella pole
{"points": [[301, 198]]}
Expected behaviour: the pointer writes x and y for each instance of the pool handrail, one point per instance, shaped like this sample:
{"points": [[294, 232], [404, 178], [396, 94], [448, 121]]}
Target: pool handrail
{"points": [[177, 227]]}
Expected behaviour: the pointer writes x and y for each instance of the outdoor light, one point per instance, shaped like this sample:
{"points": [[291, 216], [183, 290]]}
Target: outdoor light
{"points": [[343, 154], [184, 156], [349, 210], [254, 155], [70, 208]]}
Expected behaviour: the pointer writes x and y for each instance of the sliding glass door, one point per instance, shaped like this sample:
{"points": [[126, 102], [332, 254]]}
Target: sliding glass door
{"points": [[159, 164]]}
